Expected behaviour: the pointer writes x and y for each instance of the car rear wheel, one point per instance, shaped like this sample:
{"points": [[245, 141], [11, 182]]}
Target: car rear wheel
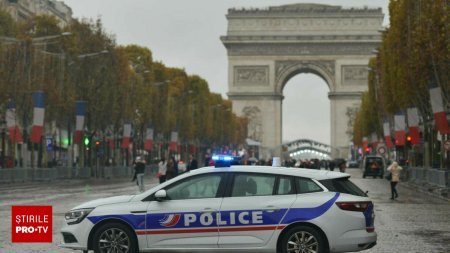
{"points": [[114, 238], [302, 239]]}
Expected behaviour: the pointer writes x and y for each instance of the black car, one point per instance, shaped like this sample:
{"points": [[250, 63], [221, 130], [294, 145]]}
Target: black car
{"points": [[374, 166]]}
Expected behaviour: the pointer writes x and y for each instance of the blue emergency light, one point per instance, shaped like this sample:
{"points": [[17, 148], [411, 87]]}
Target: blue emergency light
{"points": [[222, 160]]}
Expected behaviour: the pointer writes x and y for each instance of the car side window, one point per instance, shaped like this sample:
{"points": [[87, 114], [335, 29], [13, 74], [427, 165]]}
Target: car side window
{"points": [[252, 185], [196, 187], [285, 186], [306, 185]]}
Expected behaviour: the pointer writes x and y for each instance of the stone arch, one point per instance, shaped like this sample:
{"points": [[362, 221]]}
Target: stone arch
{"points": [[267, 47], [285, 70]]}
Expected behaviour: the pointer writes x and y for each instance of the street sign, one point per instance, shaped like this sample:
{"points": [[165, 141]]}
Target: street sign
{"points": [[49, 144], [447, 145], [381, 150]]}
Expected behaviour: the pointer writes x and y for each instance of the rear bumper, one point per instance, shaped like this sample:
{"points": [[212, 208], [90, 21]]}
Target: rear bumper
{"points": [[355, 240]]}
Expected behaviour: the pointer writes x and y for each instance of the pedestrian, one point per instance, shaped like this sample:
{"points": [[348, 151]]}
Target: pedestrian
{"points": [[395, 170], [139, 169], [342, 166], [171, 168], [162, 169], [192, 165], [332, 164]]}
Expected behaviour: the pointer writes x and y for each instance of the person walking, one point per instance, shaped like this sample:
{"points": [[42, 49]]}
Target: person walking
{"points": [[395, 170], [162, 169], [171, 168], [192, 165], [139, 169]]}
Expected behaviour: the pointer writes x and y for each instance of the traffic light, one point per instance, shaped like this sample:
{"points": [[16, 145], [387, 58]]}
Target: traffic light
{"points": [[86, 140], [98, 143], [408, 139]]}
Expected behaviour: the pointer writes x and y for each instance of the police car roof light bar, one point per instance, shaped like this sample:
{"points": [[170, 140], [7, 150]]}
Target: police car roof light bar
{"points": [[222, 160]]}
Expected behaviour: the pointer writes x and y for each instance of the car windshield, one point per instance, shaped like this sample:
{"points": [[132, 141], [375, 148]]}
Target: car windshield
{"points": [[343, 185]]}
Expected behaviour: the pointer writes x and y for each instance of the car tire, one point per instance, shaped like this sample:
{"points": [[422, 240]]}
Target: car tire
{"points": [[114, 237], [303, 239]]}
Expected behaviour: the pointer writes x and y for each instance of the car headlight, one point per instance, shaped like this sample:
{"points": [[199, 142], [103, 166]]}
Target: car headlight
{"points": [[76, 216]]}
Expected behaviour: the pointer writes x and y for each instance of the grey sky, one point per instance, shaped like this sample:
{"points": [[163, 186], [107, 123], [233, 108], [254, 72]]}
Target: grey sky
{"points": [[186, 34]]}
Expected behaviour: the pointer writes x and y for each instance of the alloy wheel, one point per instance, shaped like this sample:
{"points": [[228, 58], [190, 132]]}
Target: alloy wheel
{"points": [[302, 242], [114, 240]]}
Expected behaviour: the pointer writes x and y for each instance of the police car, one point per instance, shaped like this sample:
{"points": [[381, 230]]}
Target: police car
{"points": [[230, 209]]}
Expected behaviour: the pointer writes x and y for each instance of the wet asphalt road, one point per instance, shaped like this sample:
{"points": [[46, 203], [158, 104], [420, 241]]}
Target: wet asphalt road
{"points": [[416, 222]]}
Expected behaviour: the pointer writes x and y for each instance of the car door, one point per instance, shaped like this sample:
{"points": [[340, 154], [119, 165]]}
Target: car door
{"points": [[187, 217], [254, 206]]}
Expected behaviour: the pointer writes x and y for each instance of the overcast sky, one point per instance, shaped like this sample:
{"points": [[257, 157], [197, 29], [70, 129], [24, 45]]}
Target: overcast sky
{"points": [[186, 34]]}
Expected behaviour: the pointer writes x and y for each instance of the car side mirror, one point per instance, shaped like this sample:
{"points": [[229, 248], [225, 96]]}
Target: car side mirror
{"points": [[161, 195]]}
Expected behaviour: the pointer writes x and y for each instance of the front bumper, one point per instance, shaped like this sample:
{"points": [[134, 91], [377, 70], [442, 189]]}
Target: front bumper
{"points": [[76, 236]]}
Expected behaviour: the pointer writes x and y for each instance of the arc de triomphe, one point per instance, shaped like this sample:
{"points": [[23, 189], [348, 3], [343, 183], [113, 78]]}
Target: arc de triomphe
{"points": [[267, 47]]}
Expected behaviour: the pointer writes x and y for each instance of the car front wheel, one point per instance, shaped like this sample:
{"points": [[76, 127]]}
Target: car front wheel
{"points": [[114, 238], [302, 239]]}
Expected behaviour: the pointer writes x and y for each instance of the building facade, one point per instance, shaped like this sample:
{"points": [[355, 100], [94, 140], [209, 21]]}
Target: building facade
{"points": [[21, 10]]}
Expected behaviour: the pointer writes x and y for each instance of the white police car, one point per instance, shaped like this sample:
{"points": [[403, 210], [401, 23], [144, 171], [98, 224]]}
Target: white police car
{"points": [[230, 209]]}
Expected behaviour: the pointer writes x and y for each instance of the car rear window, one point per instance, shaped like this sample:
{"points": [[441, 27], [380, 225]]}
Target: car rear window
{"points": [[343, 185]]}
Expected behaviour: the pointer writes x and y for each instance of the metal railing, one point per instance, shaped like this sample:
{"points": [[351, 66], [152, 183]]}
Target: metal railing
{"points": [[17, 175], [435, 177]]}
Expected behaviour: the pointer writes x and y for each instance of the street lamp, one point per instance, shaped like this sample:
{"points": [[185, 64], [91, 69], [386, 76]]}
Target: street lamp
{"points": [[3, 129], [81, 56]]}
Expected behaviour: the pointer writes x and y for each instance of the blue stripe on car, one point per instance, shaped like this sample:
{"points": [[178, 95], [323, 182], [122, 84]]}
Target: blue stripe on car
{"points": [[304, 214], [269, 218]]}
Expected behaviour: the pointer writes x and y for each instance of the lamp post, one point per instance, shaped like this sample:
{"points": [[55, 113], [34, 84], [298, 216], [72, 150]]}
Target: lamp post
{"points": [[3, 129]]}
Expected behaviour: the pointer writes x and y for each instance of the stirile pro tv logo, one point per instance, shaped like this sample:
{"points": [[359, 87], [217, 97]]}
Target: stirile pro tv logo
{"points": [[31, 224]]}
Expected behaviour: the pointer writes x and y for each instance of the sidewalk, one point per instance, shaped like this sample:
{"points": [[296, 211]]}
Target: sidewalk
{"points": [[435, 191]]}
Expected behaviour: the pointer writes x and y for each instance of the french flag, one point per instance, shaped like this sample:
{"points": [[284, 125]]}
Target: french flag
{"points": [[387, 134], [80, 109], [400, 125], [413, 125], [173, 141], [13, 128], [437, 105], [148, 145], [38, 116], [126, 135], [365, 143]]}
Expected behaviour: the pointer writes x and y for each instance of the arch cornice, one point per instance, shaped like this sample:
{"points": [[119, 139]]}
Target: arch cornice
{"points": [[285, 70]]}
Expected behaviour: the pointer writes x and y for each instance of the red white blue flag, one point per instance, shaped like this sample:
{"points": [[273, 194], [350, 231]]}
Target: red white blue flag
{"points": [[437, 105], [387, 134], [365, 143], [126, 135], [400, 125], [38, 116], [11, 123], [413, 125], [80, 110], [173, 141], [148, 145]]}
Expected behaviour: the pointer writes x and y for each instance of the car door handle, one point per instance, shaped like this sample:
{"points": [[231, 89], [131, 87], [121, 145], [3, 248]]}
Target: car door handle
{"points": [[271, 209], [208, 210]]}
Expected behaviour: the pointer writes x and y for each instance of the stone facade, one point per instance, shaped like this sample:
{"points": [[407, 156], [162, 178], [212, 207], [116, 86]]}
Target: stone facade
{"points": [[267, 47], [25, 9]]}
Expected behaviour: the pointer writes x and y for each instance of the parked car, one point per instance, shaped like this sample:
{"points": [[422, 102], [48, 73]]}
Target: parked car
{"points": [[373, 165], [353, 164], [230, 209]]}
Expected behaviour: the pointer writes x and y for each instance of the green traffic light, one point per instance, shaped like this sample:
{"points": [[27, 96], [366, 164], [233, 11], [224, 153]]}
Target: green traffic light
{"points": [[66, 141], [86, 141]]}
